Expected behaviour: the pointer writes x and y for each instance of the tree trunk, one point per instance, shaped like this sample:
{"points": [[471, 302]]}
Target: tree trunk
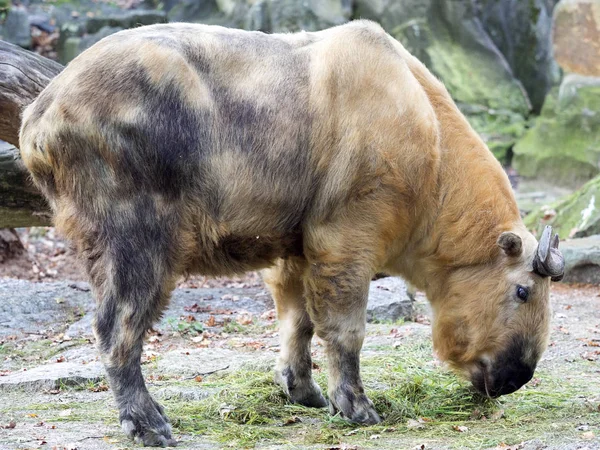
{"points": [[10, 245], [23, 75]]}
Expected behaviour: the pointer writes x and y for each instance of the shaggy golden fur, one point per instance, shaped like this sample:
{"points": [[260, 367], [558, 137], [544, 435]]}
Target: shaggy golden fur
{"points": [[326, 156]]}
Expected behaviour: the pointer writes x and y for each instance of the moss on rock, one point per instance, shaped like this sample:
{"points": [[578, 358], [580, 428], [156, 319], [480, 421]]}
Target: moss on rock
{"points": [[577, 215], [478, 79], [563, 146]]}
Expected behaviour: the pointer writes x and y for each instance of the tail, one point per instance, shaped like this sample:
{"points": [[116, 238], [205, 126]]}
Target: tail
{"points": [[35, 148]]}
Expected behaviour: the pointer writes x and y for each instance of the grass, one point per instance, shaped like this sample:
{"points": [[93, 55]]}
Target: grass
{"points": [[420, 402], [248, 409]]}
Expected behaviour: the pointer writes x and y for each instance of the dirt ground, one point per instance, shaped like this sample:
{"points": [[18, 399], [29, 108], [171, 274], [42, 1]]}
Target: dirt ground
{"points": [[48, 257], [210, 359]]}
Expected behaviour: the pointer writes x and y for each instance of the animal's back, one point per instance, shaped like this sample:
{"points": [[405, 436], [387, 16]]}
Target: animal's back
{"points": [[239, 134]]}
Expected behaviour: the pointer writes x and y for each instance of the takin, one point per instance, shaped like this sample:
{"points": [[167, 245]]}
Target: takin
{"points": [[322, 157]]}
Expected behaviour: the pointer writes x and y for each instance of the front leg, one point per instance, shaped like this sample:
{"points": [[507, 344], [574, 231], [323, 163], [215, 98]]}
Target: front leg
{"points": [[337, 302]]}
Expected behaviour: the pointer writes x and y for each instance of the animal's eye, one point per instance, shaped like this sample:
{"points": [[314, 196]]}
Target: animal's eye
{"points": [[522, 293]]}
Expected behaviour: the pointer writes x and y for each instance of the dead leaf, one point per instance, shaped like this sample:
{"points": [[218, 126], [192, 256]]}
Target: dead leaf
{"points": [[269, 315], [422, 319], [292, 420], [503, 446], [102, 387], [244, 319], [198, 379], [10, 425], [60, 359], [590, 356], [195, 308], [211, 322], [460, 428]]}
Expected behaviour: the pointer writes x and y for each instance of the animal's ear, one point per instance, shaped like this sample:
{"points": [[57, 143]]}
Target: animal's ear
{"points": [[511, 243]]}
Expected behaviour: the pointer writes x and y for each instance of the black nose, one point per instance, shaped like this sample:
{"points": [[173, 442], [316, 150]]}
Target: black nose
{"points": [[508, 379], [502, 381]]}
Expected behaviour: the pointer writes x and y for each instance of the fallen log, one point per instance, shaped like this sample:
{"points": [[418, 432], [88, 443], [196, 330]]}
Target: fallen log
{"points": [[23, 75]]}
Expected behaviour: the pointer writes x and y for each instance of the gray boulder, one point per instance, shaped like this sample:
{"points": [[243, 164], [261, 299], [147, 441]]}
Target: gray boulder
{"points": [[90, 39], [192, 11], [389, 301], [576, 215], [453, 43], [16, 27], [391, 13], [125, 19], [575, 36], [522, 32], [310, 15], [582, 260], [563, 146]]}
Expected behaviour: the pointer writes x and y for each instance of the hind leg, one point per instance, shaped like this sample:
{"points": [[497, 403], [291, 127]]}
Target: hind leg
{"points": [[132, 280], [294, 366]]}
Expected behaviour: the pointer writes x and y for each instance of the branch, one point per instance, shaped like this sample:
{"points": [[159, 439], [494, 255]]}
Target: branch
{"points": [[23, 75]]}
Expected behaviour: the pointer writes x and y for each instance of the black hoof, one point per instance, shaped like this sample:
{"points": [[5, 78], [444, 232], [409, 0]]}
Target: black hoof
{"points": [[303, 391], [355, 408], [147, 425]]}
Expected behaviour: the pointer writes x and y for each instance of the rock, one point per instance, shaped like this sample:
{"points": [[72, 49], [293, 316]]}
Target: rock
{"points": [[52, 376], [27, 307], [454, 45], [42, 22], [201, 361], [193, 11], [582, 260], [258, 17], [68, 41], [521, 30], [499, 129], [16, 27], [576, 36], [576, 215], [90, 39], [391, 14], [563, 146], [125, 19], [310, 15], [389, 301], [69, 49]]}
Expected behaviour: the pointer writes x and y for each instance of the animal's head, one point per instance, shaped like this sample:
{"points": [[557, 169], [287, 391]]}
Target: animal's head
{"points": [[493, 321]]}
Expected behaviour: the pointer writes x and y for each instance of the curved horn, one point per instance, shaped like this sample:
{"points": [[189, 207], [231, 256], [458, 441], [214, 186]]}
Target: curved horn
{"points": [[548, 261]]}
